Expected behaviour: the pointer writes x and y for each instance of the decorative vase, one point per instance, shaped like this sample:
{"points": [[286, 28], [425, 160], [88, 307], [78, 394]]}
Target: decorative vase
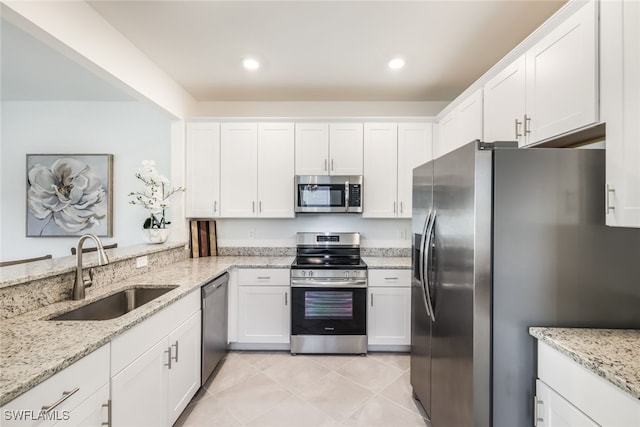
{"points": [[155, 235]]}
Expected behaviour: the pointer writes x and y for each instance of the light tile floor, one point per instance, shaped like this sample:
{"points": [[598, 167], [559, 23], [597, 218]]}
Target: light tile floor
{"points": [[262, 389]]}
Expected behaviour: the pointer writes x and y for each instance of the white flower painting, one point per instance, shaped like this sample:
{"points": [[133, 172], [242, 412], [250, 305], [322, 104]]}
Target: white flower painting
{"points": [[69, 195]]}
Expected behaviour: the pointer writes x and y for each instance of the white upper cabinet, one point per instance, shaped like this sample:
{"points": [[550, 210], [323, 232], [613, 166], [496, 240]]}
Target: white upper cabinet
{"points": [[461, 125], [415, 145], [328, 149], [275, 170], [380, 170], [312, 149], [504, 104], [203, 170], [345, 149], [620, 109], [561, 77], [257, 170], [239, 169]]}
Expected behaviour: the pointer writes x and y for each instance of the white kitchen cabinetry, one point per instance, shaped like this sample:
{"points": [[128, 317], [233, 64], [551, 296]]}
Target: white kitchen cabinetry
{"points": [[461, 125], [257, 170], [504, 104], [203, 170], [264, 306], [620, 108], [415, 147], [391, 151], [568, 394], [80, 391], [155, 366], [551, 89], [328, 149], [380, 170], [389, 308], [562, 77]]}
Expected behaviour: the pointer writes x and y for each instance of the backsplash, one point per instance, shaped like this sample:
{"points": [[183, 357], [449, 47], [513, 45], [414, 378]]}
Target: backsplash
{"points": [[39, 290], [286, 251]]}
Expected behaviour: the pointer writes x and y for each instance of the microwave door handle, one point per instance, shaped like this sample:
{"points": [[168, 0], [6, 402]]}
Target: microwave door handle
{"points": [[346, 196]]}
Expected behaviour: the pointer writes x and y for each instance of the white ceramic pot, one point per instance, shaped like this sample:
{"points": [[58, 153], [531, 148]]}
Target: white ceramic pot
{"points": [[155, 235]]}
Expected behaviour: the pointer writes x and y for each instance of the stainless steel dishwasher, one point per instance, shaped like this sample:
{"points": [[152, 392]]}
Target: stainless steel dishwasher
{"points": [[214, 324]]}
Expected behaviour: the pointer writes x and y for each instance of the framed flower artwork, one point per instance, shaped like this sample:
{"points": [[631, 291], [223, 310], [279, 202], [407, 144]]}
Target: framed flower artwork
{"points": [[69, 195]]}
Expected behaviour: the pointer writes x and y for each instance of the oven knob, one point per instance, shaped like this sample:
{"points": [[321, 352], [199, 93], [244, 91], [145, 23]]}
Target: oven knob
{"points": [[310, 273], [304, 273]]}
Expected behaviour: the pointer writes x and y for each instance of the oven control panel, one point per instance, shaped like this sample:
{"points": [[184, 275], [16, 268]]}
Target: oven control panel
{"points": [[329, 274]]}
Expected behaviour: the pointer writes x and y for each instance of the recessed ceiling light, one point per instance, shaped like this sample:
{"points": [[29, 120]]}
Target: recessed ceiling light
{"points": [[250, 64], [396, 63]]}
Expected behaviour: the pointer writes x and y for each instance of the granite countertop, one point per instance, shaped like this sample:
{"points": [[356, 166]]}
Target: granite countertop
{"points": [[33, 349], [613, 354], [384, 262]]}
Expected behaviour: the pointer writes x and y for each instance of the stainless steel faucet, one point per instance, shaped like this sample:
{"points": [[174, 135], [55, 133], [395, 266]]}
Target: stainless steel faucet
{"points": [[80, 283]]}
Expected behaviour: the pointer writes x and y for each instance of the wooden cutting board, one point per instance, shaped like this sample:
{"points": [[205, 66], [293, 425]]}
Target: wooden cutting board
{"points": [[203, 238]]}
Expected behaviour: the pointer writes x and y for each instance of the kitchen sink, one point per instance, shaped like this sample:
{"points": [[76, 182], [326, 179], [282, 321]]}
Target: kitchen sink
{"points": [[115, 305]]}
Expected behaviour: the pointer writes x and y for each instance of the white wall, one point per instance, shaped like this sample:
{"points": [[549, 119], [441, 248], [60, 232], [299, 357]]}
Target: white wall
{"points": [[131, 131], [375, 233]]}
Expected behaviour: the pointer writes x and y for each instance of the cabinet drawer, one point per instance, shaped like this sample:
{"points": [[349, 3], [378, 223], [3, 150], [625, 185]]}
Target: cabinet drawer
{"points": [[128, 346], [86, 376], [390, 278], [263, 276]]}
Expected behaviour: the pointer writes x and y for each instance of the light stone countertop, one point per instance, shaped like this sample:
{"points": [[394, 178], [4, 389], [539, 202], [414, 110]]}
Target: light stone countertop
{"points": [[613, 354], [33, 349], [383, 262]]}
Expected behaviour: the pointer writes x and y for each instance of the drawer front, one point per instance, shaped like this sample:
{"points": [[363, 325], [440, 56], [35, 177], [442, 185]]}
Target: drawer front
{"points": [[263, 276], [390, 278], [130, 345], [70, 387]]}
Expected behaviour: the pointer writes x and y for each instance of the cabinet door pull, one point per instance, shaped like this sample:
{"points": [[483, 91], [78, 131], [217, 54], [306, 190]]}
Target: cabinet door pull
{"points": [[264, 277], [253, 206], [609, 207], [215, 206], [175, 359], [371, 300], [527, 125], [518, 124], [108, 406], [286, 299], [325, 164], [260, 206], [168, 364], [390, 278], [65, 396]]}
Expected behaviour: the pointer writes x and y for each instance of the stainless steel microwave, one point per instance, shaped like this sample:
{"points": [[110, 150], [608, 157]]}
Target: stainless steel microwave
{"points": [[328, 194]]}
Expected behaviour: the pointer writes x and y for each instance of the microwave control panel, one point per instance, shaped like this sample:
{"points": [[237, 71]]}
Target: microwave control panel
{"points": [[355, 195]]}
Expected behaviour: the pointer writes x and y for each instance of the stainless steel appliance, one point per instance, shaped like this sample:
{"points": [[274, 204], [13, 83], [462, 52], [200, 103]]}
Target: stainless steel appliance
{"points": [[328, 194], [505, 239], [214, 324], [329, 294]]}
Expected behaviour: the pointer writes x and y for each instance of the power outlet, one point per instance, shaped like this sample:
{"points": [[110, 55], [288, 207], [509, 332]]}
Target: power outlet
{"points": [[252, 233], [142, 261]]}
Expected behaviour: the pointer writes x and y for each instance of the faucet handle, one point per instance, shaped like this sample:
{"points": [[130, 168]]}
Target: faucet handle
{"points": [[89, 282]]}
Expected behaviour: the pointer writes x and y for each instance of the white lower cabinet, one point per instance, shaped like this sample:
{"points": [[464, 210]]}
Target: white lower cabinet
{"points": [[389, 308], [554, 410], [77, 395], [152, 386], [264, 312], [570, 395]]}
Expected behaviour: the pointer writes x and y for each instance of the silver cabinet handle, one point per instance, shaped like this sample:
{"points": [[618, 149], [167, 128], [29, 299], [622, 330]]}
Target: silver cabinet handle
{"points": [[168, 351], [108, 406], [518, 124], [253, 206], [390, 278], [215, 206], [260, 206], [332, 164], [264, 277], [65, 396], [609, 207], [371, 300], [286, 299], [325, 164], [175, 359], [527, 125]]}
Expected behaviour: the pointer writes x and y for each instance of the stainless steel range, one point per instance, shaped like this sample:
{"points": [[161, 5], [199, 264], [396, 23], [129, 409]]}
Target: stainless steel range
{"points": [[329, 294]]}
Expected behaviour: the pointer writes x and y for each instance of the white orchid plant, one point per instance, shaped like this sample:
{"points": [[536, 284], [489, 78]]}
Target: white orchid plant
{"points": [[155, 196]]}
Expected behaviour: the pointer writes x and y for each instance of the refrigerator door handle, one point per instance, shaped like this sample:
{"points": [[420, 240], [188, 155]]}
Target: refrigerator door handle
{"points": [[427, 255], [423, 242], [425, 252]]}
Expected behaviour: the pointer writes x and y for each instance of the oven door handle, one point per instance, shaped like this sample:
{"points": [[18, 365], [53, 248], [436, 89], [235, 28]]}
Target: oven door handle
{"points": [[314, 283]]}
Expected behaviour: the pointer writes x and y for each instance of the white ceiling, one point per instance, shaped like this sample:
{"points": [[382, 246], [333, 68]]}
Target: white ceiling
{"points": [[309, 50]]}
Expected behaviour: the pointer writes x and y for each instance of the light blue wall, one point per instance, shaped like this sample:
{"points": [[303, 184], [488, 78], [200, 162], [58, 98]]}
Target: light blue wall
{"points": [[131, 131]]}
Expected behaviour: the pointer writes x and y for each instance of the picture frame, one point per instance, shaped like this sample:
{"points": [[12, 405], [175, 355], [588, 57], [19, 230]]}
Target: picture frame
{"points": [[69, 195]]}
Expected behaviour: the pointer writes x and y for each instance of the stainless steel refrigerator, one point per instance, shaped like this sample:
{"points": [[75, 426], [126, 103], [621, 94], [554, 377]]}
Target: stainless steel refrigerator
{"points": [[505, 239]]}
